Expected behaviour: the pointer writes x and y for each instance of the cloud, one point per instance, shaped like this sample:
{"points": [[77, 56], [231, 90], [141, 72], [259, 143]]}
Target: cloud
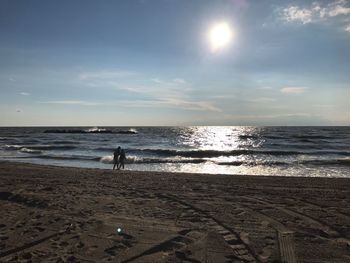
{"points": [[317, 13], [265, 88], [293, 90], [262, 100], [24, 93], [180, 81], [170, 103], [191, 105], [270, 116], [323, 106], [156, 80], [72, 102], [173, 82], [106, 74], [153, 103], [159, 88], [156, 92], [290, 119], [105, 78], [295, 13], [171, 93], [338, 8], [223, 96]]}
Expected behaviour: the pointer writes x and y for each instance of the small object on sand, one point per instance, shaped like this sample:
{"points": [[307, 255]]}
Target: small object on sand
{"points": [[119, 230]]}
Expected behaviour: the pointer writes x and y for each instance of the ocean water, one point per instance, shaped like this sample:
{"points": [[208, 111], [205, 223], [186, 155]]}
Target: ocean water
{"points": [[285, 151]]}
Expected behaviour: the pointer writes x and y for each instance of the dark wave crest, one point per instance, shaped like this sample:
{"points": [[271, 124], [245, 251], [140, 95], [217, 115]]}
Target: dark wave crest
{"points": [[343, 162], [216, 153], [131, 131], [150, 160], [40, 147], [314, 137]]}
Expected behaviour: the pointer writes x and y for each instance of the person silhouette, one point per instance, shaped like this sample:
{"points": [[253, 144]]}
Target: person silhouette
{"points": [[122, 159], [116, 155]]}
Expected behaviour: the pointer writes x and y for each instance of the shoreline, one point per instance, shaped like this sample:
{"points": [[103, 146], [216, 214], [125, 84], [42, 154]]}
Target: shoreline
{"points": [[72, 214], [168, 172]]}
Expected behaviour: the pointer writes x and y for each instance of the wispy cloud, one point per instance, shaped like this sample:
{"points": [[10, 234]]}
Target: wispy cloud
{"points": [[171, 103], [296, 118], [262, 100], [318, 13], [191, 105], [107, 78], [106, 74], [71, 102], [323, 106], [181, 104], [157, 80], [265, 88], [24, 93], [293, 90], [180, 81], [159, 88], [172, 82], [223, 96], [149, 93], [156, 91], [270, 116]]}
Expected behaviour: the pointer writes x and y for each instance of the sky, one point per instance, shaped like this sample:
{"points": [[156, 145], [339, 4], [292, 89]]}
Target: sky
{"points": [[150, 62]]}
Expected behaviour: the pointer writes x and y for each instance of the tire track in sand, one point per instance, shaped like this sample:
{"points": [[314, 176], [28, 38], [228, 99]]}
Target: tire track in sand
{"points": [[240, 250], [285, 235], [325, 228]]}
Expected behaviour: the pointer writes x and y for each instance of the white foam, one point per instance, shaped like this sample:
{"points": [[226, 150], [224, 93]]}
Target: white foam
{"points": [[107, 159], [13, 147], [95, 129], [133, 159], [26, 150]]}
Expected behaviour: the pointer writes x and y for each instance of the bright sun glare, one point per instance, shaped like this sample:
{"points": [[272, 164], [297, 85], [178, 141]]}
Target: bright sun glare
{"points": [[220, 35]]}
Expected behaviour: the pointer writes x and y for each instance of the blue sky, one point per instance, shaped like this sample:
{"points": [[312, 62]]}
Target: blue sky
{"points": [[149, 62]]}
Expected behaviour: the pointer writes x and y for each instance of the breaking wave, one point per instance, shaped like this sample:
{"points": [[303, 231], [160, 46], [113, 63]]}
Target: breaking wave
{"points": [[39, 147], [92, 130], [216, 153]]}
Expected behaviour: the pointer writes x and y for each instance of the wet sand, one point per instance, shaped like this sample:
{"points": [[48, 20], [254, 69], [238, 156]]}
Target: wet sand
{"points": [[58, 214]]}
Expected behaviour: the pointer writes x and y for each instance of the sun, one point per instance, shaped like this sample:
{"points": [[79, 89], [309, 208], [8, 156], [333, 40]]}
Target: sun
{"points": [[220, 36]]}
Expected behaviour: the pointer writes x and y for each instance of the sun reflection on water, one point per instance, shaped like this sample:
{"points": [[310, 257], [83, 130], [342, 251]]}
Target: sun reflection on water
{"points": [[227, 142], [221, 138]]}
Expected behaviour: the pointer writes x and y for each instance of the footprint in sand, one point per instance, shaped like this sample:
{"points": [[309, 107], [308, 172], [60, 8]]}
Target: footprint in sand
{"points": [[80, 244], [113, 251], [54, 245], [27, 255], [40, 229], [3, 237], [64, 244]]}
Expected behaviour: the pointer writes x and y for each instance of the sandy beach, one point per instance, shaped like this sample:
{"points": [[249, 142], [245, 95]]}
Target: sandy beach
{"points": [[60, 214]]}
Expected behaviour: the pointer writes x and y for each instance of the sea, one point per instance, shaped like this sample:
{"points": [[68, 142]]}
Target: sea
{"points": [[271, 151]]}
